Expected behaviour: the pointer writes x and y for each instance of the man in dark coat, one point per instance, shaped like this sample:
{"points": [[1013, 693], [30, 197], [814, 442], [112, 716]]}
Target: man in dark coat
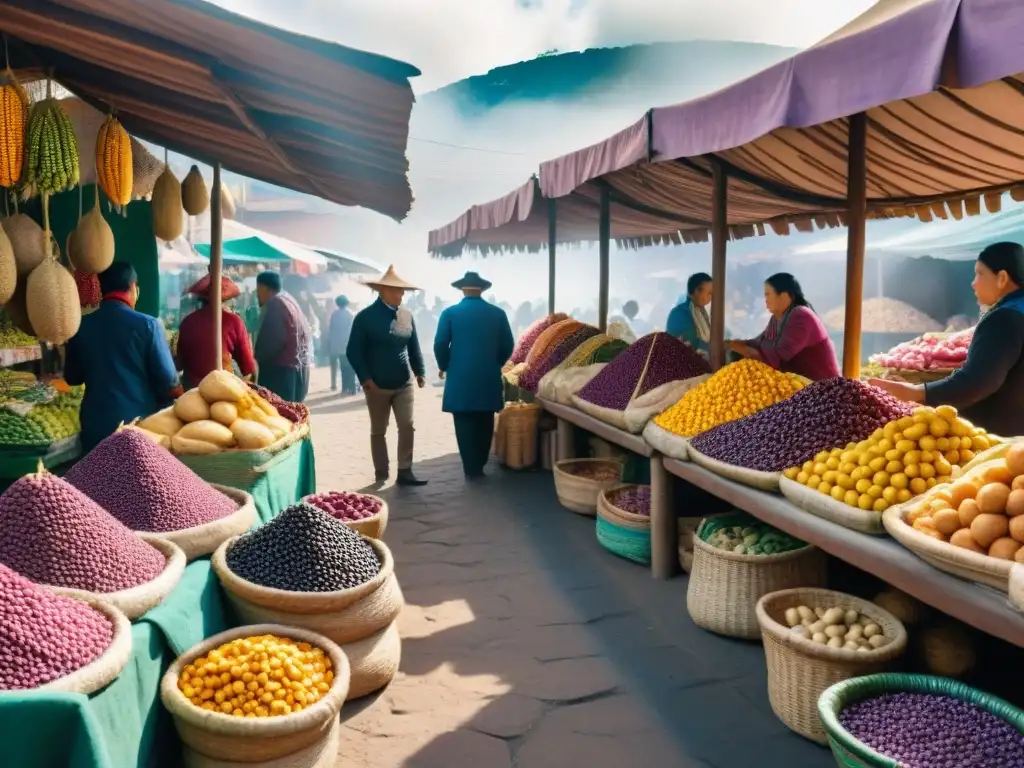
{"points": [[284, 344], [473, 341]]}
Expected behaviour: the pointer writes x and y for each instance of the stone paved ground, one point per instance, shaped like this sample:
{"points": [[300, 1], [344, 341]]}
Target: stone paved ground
{"points": [[525, 644]]}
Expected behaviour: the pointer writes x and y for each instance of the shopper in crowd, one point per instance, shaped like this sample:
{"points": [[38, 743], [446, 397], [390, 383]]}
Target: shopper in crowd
{"points": [[989, 388], [195, 355], [382, 348], [337, 341], [284, 343], [122, 357], [795, 340], [473, 341], [689, 320], [638, 325]]}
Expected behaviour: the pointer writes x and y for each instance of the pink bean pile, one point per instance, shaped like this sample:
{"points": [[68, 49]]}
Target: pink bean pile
{"points": [[52, 533], [345, 505], [523, 346], [44, 636], [145, 487]]}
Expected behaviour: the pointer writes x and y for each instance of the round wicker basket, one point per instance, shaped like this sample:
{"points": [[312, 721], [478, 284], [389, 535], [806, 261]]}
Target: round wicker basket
{"points": [[255, 740], [134, 602], [374, 661], [202, 540], [370, 527], [579, 494], [621, 532], [799, 670]]}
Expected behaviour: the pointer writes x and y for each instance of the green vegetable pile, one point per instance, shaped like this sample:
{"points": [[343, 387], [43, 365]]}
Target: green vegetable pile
{"points": [[18, 432], [745, 535]]}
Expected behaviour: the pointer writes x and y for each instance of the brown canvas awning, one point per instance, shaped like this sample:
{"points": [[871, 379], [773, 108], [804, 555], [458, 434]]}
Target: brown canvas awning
{"points": [[286, 109]]}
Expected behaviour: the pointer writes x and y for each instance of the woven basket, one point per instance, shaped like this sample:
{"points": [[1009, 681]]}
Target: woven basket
{"points": [[134, 602], [579, 494], [104, 669], [240, 469], [956, 560], [370, 527], [321, 754], [764, 481], [517, 436], [850, 752], [374, 661], [799, 670], [667, 443], [820, 505], [201, 540], [620, 532], [344, 616], [255, 740], [724, 587]]}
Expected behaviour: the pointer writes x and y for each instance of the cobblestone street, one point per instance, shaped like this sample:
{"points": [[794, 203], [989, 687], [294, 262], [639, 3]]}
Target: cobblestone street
{"points": [[526, 644]]}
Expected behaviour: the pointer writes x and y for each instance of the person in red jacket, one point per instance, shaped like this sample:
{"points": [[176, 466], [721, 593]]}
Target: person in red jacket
{"points": [[194, 355]]}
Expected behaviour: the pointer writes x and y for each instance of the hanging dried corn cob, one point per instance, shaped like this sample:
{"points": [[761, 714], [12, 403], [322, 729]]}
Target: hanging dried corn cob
{"points": [[52, 148], [114, 161], [14, 109]]}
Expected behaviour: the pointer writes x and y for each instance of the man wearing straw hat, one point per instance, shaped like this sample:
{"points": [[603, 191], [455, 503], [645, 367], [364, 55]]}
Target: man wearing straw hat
{"points": [[382, 348], [473, 341]]}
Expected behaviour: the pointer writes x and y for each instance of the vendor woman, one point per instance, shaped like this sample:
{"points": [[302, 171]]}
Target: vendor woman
{"points": [[194, 355], [989, 389], [689, 320], [795, 340]]}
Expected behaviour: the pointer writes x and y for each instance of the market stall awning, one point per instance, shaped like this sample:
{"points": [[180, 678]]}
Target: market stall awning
{"points": [[251, 250], [939, 82], [257, 246], [283, 108], [354, 264]]}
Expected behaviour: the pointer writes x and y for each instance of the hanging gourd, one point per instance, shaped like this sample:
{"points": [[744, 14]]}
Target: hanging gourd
{"points": [[168, 215], [227, 203], [93, 244], [17, 311], [8, 269], [14, 110], [26, 241], [194, 197], [51, 295], [114, 161], [52, 147]]}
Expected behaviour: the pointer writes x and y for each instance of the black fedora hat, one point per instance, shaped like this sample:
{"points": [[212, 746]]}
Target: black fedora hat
{"points": [[471, 280]]}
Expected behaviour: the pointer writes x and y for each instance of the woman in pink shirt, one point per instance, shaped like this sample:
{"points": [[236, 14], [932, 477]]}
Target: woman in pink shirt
{"points": [[795, 340]]}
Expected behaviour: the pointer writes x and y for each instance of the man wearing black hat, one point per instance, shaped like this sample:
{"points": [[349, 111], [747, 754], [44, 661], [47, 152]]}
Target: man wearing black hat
{"points": [[473, 341]]}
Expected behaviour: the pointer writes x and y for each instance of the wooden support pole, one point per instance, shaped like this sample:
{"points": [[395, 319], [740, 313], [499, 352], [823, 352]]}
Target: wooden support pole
{"points": [[564, 441], [604, 234], [552, 234], [857, 206], [216, 262], [719, 242], [664, 525]]}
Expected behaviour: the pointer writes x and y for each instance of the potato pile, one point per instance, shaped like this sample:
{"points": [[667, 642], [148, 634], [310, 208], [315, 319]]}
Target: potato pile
{"points": [[983, 511], [901, 460], [836, 627], [220, 414]]}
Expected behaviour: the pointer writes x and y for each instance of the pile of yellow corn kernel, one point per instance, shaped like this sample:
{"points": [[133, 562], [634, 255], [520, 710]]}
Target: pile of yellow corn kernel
{"points": [[737, 390], [263, 676]]}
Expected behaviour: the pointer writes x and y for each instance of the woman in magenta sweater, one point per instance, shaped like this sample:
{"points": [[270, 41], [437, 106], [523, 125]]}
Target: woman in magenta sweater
{"points": [[795, 340]]}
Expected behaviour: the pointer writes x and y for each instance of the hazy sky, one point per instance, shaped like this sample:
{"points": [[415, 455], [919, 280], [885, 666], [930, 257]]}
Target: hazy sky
{"points": [[452, 39]]}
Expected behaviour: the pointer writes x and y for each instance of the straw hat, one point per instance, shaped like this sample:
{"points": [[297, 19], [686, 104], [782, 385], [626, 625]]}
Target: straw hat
{"points": [[228, 289], [390, 280]]}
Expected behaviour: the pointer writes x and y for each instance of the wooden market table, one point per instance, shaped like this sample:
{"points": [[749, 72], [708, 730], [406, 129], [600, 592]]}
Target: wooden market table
{"points": [[974, 604]]}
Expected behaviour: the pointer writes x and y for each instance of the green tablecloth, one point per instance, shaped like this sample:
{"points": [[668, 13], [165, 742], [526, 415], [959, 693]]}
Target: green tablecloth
{"points": [[124, 725]]}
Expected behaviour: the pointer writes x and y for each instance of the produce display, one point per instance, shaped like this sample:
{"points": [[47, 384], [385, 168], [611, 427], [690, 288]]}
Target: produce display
{"points": [[928, 730], [297, 413], [52, 533], [821, 416], [601, 348], [751, 538], [983, 511], [555, 357], [304, 549], [18, 432], [884, 315], [168, 215], [928, 352], [220, 414], [529, 336], [12, 338], [836, 627], [51, 149], [195, 198], [896, 462], [550, 338], [145, 487], [44, 636], [114, 161], [260, 676], [59, 419], [737, 390], [14, 107], [88, 284], [599, 473], [650, 362], [345, 505], [636, 499]]}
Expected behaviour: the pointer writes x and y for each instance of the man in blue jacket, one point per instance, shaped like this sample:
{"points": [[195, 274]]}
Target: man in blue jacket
{"points": [[122, 357], [473, 341], [382, 347]]}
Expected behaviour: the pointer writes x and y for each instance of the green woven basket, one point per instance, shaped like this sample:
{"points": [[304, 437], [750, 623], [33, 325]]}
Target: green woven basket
{"points": [[852, 753], [630, 544]]}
